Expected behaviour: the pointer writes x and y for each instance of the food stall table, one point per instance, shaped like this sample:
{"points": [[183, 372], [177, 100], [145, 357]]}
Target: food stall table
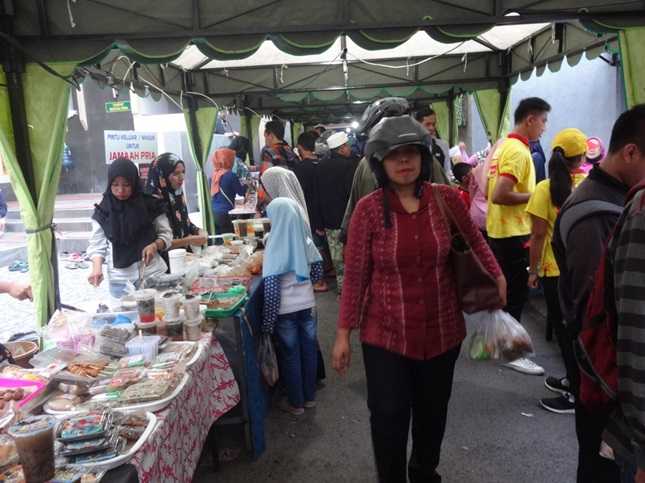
{"points": [[172, 452]]}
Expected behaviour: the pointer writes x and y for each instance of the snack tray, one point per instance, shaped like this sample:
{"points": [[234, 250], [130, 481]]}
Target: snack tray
{"points": [[151, 406], [124, 458], [196, 354]]}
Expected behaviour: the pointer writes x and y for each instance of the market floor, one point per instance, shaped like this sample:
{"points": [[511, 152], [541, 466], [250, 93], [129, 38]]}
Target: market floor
{"points": [[496, 431]]}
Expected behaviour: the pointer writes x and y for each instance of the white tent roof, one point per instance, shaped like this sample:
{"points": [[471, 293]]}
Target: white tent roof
{"points": [[419, 45]]}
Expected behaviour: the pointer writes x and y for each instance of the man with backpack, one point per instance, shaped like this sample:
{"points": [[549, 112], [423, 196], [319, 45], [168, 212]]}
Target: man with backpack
{"points": [[625, 431], [581, 233]]}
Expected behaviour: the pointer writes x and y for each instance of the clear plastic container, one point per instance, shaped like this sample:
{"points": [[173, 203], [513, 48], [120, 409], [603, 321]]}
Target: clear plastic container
{"points": [[172, 302], [34, 439], [145, 304], [191, 307], [175, 328], [193, 329]]}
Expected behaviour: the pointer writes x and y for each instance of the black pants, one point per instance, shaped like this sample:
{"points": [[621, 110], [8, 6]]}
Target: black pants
{"points": [[554, 320], [397, 387], [513, 259], [593, 468]]}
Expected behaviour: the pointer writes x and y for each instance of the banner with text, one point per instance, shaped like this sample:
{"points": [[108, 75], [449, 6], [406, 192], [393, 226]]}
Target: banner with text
{"points": [[139, 147]]}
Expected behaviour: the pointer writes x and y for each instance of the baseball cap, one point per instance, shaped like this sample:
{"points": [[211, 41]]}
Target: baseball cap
{"points": [[572, 141], [337, 139]]}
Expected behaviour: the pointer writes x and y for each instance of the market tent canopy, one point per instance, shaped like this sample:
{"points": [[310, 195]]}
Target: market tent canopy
{"points": [[340, 81], [159, 30]]}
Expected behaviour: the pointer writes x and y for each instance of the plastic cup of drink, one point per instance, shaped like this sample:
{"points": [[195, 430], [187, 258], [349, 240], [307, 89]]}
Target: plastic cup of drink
{"points": [[175, 329], [146, 304], [177, 259], [34, 439]]}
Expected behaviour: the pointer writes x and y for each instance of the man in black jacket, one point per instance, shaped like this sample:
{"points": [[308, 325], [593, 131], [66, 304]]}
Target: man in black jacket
{"points": [[335, 184], [582, 230]]}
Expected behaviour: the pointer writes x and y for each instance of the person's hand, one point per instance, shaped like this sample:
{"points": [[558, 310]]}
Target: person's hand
{"points": [[534, 280], [501, 289], [341, 353], [198, 240], [95, 278], [640, 476], [149, 253], [21, 291]]}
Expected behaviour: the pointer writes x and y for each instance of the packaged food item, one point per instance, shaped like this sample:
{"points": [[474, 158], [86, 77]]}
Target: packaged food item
{"points": [[34, 438], [145, 304], [75, 389], [84, 427], [8, 451], [125, 377], [12, 474], [96, 457], [116, 333], [63, 403], [85, 447], [132, 361], [148, 390], [131, 426]]}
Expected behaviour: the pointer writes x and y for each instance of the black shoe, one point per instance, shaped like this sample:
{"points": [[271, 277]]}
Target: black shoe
{"points": [[560, 405], [558, 385]]}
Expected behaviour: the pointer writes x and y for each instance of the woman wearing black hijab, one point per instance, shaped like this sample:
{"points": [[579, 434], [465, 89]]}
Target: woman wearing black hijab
{"points": [[166, 181], [129, 229]]}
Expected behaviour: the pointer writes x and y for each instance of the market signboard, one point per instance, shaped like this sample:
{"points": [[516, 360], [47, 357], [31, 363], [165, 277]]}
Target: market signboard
{"points": [[117, 106], [139, 147]]}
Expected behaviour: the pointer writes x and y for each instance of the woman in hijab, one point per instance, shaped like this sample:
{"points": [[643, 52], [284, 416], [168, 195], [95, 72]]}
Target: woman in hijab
{"points": [[166, 182], [281, 182], [224, 186], [291, 265], [129, 229]]}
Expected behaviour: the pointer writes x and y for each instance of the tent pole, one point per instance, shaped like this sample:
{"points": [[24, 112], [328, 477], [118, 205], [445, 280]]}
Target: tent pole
{"points": [[249, 124], [451, 117], [14, 67]]}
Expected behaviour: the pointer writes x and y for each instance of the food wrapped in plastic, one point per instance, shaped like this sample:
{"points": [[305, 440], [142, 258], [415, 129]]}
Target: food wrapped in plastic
{"points": [[497, 335]]}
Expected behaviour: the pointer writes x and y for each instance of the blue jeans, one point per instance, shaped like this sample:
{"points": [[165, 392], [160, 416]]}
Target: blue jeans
{"points": [[297, 350]]}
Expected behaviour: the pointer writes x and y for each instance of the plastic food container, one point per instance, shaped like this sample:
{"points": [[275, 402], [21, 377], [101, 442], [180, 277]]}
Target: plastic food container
{"points": [[145, 304], [22, 351], [147, 345], [193, 329], [175, 328], [177, 259], [34, 439], [191, 307], [172, 304], [147, 328]]}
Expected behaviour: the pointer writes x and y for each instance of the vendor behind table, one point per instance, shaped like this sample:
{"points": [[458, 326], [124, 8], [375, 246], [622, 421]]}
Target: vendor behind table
{"points": [[129, 228]]}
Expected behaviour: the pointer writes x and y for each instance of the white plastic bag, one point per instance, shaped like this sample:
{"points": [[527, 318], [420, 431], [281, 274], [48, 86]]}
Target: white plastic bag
{"points": [[497, 335]]}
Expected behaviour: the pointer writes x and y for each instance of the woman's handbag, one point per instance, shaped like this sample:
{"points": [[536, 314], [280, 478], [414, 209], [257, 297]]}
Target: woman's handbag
{"points": [[476, 287]]}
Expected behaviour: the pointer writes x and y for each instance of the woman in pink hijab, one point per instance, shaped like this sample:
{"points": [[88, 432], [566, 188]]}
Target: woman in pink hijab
{"points": [[595, 153], [224, 187]]}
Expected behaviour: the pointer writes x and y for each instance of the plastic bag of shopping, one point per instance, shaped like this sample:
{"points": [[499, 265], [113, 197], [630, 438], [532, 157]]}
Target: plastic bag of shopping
{"points": [[268, 360], [498, 335]]}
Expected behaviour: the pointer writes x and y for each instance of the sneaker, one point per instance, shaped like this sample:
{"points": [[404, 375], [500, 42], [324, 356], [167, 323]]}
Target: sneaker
{"points": [[564, 404], [288, 408], [559, 385], [525, 366], [310, 404]]}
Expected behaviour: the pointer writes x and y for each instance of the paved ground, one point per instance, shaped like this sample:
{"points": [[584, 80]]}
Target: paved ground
{"points": [[496, 432]]}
